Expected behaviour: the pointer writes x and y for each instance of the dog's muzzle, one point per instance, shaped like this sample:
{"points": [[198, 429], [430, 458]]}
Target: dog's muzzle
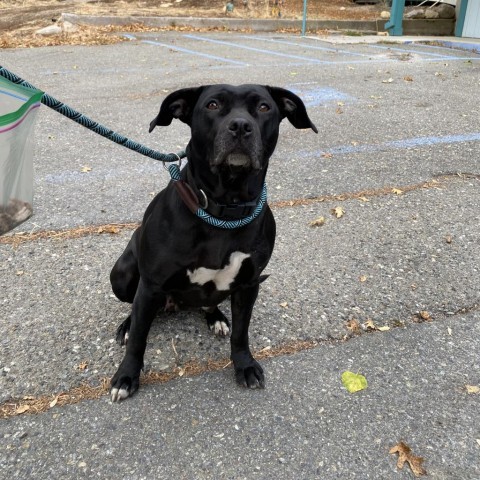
{"points": [[238, 145]]}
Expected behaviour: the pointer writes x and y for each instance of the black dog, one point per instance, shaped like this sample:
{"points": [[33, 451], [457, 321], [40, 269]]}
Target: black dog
{"points": [[176, 259]]}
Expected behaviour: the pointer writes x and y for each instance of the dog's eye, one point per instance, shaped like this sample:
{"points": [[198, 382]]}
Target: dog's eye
{"points": [[212, 105], [263, 108]]}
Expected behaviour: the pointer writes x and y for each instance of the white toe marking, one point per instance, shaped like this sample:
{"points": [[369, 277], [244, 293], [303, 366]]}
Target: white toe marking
{"points": [[221, 328], [222, 277], [118, 395]]}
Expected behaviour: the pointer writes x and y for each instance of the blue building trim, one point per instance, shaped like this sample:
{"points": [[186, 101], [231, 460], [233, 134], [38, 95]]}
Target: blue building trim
{"points": [[462, 12]]}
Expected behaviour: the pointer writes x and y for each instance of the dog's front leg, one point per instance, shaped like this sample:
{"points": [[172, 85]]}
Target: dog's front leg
{"points": [[248, 372], [145, 306]]}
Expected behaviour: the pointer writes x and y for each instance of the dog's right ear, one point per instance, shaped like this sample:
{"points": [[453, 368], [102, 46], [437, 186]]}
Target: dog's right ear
{"points": [[178, 104]]}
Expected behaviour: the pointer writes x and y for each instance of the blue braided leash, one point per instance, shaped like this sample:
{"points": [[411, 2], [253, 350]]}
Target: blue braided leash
{"points": [[216, 222], [90, 124]]}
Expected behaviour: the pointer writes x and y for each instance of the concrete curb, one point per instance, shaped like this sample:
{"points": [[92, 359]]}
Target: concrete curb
{"points": [[261, 25], [411, 27]]}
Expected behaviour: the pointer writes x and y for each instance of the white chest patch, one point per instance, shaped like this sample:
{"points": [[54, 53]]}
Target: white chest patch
{"points": [[223, 277]]}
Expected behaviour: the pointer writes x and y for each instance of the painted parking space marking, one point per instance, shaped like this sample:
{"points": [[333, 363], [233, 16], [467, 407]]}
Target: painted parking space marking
{"points": [[405, 50], [254, 49], [314, 95], [188, 51], [395, 144], [303, 45]]}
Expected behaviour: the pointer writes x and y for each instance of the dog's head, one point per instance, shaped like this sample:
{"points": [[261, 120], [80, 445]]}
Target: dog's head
{"points": [[234, 128]]}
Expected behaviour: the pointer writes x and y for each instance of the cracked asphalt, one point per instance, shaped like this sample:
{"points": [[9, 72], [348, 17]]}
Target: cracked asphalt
{"points": [[397, 150]]}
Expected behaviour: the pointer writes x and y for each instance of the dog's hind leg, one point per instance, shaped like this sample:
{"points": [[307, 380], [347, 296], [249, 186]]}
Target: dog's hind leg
{"points": [[125, 276], [123, 331], [217, 321]]}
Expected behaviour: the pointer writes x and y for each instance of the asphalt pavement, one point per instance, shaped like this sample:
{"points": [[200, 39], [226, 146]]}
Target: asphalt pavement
{"points": [[388, 288]]}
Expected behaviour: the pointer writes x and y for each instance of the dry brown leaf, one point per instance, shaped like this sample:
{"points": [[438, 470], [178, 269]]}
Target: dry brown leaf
{"points": [[369, 325], [424, 315], [22, 409], [83, 366], [327, 155], [54, 401], [339, 212], [320, 221], [109, 229], [405, 455], [408, 78], [448, 239], [353, 325]]}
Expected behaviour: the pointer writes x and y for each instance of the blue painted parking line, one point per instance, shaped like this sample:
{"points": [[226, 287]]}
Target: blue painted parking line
{"points": [[257, 50], [395, 144], [314, 95], [191, 52], [303, 45], [404, 50]]}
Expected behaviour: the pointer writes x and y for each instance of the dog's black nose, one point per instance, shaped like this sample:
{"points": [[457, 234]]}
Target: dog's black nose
{"points": [[240, 127]]}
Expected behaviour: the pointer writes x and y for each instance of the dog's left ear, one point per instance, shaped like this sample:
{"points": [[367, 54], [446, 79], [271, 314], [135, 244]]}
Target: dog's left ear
{"points": [[178, 104], [292, 107]]}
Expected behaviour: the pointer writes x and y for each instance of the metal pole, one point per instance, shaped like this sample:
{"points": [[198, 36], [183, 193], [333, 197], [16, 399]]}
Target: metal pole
{"points": [[304, 22]]}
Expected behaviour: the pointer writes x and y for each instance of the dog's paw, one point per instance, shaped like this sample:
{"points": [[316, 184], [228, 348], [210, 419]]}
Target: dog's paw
{"points": [[123, 331], [249, 374], [217, 322], [124, 383]]}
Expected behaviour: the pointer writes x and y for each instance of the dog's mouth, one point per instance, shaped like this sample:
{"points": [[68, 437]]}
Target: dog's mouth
{"points": [[237, 163], [238, 160]]}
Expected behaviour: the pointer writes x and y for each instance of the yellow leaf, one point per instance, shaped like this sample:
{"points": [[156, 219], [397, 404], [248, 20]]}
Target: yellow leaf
{"points": [[363, 278], [363, 199], [385, 328], [320, 221], [472, 388], [405, 455], [86, 169], [339, 212], [354, 382], [397, 191], [284, 304]]}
